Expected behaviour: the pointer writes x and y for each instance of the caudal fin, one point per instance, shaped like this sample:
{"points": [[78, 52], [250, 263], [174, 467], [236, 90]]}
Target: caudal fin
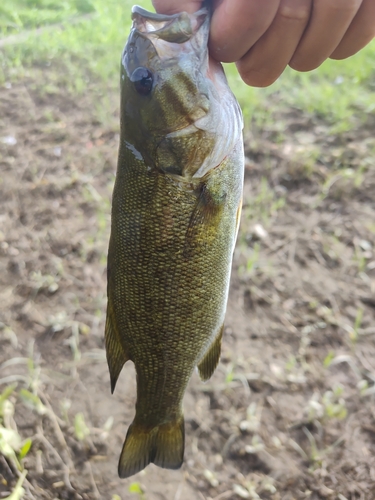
{"points": [[163, 445]]}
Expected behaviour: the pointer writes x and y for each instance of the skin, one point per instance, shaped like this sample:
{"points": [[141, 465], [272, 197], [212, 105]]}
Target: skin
{"points": [[264, 36]]}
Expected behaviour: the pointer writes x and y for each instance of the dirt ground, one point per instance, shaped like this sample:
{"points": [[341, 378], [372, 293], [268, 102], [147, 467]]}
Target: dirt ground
{"points": [[289, 413]]}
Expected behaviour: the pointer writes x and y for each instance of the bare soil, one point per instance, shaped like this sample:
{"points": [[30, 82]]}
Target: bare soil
{"points": [[289, 413]]}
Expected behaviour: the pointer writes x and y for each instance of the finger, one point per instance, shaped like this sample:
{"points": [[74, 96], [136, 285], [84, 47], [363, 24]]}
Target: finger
{"points": [[237, 25], [267, 59], [359, 33], [328, 23], [174, 6]]}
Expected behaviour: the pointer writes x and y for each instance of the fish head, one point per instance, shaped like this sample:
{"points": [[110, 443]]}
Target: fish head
{"points": [[169, 91]]}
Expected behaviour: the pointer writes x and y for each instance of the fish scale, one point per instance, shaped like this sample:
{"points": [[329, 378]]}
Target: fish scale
{"points": [[172, 234]]}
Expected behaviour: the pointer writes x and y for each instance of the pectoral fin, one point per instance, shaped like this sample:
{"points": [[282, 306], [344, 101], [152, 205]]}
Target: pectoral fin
{"points": [[208, 364], [116, 355], [202, 229]]}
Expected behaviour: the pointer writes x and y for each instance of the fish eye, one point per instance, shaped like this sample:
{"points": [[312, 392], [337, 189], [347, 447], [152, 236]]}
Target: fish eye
{"points": [[143, 80]]}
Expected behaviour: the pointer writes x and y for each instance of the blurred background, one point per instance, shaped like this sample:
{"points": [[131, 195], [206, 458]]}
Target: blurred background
{"points": [[289, 413]]}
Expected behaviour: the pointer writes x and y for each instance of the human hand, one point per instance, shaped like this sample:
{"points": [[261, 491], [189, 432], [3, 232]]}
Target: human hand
{"points": [[263, 37]]}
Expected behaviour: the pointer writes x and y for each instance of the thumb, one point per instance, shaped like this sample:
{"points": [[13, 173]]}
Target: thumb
{"points": [[174, 6]]}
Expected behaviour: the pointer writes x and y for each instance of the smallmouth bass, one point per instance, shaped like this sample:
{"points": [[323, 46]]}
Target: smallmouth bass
{"points": [[175, 216]]}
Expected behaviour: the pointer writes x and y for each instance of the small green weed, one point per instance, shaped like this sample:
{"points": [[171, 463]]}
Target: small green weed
{"points": [[81, 430], [331, 405], [264, 205], [12, 446], [136, 489]]}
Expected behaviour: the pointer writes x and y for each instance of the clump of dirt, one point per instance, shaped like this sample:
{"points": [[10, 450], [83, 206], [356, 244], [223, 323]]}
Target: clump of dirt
{"points": [[289, 413]]}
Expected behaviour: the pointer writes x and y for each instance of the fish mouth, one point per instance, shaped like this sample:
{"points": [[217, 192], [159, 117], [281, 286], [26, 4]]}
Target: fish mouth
{"points": [[177, 28], [189, 100], [157, 41]]}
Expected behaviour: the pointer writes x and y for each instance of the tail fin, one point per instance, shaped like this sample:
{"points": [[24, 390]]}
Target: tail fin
{"points": [[163, 445]]}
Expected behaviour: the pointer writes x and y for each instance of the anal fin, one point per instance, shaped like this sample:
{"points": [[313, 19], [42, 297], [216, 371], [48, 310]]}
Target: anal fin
{"points": [[116, 355], [209, 362]]}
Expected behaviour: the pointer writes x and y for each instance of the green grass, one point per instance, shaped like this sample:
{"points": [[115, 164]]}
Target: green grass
{"points": [[334, 92], [91, 48], [19, 15]]}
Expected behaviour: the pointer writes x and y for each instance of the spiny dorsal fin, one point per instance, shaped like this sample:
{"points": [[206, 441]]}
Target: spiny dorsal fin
{"points": [[116, 355], [209, 362]]}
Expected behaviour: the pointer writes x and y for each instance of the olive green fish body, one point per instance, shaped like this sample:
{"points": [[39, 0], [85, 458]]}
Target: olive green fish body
{"points": [[175, 214]]}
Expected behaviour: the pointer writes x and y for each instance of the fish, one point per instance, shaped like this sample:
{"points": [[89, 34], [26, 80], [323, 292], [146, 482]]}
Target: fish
{"points": [[175, 215]]}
